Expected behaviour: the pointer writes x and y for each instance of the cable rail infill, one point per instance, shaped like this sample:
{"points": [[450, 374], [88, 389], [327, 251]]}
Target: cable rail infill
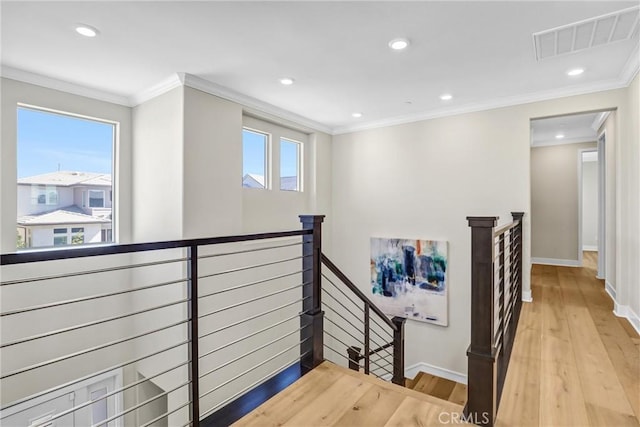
{"points": [[229, 344], [252, 351], [91, 349], [235, 270], [270, 375], [248, 250], [91, 298], [344, 279], [87, 377], [253, 300], [92, 323], [244, 285], [86, 272], [254, 367], [253, 317]]}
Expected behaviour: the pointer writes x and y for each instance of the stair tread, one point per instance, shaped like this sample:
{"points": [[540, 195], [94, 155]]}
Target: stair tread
{"points": [[440, 388]]}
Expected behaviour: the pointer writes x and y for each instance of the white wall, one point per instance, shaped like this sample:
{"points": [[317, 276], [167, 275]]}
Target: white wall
{"points": [[422, 179], [589, 205], [555, 188], [14, 92]]}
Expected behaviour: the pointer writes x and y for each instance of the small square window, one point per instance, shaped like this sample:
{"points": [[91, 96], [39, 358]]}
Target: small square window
{"points": [[96, 199], [290, 165], [254, 159]]}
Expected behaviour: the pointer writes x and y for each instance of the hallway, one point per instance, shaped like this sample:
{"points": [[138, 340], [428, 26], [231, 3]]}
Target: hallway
{"points": [[574, 363]]}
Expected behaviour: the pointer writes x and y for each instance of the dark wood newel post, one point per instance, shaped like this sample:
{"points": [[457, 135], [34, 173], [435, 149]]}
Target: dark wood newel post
{"points": [[398, 351], [482, 388], [311, 336]]}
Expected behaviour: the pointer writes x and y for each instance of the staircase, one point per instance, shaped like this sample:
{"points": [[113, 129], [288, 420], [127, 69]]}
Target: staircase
{"points": [[441, 388]]}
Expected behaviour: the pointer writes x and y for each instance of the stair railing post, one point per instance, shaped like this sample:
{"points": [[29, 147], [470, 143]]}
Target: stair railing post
{"points": [[353, 353], [398, 351], [482, 388], [518, 216], [311, 320], [192, 294]]}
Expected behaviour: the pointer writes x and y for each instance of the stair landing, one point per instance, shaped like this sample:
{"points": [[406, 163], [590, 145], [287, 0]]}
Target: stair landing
{"points": [[331, 395], [441, 388]]}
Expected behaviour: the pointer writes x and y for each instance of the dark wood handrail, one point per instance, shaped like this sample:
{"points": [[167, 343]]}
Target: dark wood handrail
{"points": [[340, 275], [97, 250], [377, 350]]}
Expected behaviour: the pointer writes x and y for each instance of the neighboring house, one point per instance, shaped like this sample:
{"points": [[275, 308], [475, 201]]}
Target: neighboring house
{"points": [[287, 183], [63, 208]]}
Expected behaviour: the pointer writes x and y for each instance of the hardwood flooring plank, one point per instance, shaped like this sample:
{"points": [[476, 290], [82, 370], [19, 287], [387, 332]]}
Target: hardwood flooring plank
{"points": [[411, 413], [458, 394], [374, 408]]}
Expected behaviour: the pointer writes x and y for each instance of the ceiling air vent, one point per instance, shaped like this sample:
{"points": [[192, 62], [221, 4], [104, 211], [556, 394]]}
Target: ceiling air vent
{"points": [[598, 31]]}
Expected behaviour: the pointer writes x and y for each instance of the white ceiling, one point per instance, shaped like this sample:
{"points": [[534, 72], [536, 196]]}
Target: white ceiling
{"points": [[576, 128], [481, 52]]}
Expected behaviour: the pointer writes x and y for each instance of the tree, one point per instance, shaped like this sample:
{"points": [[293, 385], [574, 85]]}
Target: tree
{"points": [[20, 244], [77, 239]]}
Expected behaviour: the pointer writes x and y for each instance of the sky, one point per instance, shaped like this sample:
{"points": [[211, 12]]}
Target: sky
{"points": [[253, 146], [48, 142]]}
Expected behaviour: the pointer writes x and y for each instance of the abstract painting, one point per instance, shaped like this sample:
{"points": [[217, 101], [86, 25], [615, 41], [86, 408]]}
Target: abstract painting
{"points": [[409, 278]]}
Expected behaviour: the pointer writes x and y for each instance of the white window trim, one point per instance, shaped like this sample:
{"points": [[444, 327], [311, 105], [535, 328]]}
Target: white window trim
{"points": [[267, 157], [299, 164]]}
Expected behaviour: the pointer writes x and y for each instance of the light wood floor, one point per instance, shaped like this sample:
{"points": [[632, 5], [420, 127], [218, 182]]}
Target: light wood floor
{"points": [[441, 388], [574, 363], [331, 395]]}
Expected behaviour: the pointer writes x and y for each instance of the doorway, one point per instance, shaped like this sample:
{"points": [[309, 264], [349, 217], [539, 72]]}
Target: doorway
{"points": [[568, 197]]}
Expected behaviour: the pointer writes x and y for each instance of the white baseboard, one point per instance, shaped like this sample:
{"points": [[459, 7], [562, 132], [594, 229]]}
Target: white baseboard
{"points": [[526, 296], [610, 290], [590, 248], [557, 262], [412, 371], [628, 313]]}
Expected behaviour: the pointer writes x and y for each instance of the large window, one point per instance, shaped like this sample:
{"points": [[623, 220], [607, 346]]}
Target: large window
{"points": [[255, 146], [65, 176], [290, 155]]}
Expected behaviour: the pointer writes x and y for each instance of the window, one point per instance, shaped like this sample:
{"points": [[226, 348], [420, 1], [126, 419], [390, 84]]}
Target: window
{"points": [[290, 165], [65, 172], [44, 195], [60, 237], [96, 199], [254, 159]]}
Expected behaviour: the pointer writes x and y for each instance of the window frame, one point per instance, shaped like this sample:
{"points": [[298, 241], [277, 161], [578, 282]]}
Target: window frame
{"points": [[115, 138], [104, 202], [299, 163]]}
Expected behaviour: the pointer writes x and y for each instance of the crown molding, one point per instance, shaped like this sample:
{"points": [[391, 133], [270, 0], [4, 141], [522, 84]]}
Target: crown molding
{"points": [[251, 103], [631, 67], [164, 86], [599, 120], [551, 142], [509, 101], [62, 85]]}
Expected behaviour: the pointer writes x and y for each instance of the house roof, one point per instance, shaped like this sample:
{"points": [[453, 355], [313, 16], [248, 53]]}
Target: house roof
{"points": [[251, 180], [68, 179], [67, 215]]}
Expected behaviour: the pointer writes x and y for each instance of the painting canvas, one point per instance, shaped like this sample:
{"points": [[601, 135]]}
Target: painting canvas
{"points": [[409, 278]]}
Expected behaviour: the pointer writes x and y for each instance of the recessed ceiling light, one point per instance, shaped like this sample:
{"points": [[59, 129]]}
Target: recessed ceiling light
{"points": [[287, 81], [560, 136], [446, 96], [575, 72], [357, 115], [399, 44], [86, 30]]}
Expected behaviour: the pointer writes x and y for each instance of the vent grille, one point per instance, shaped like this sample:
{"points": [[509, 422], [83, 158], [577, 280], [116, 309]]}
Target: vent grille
{"points": [[598, 31]]}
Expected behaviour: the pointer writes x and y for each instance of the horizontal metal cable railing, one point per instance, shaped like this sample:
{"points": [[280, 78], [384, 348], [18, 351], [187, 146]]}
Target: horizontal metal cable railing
{"points": [[357, 333], [139, 334]]}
